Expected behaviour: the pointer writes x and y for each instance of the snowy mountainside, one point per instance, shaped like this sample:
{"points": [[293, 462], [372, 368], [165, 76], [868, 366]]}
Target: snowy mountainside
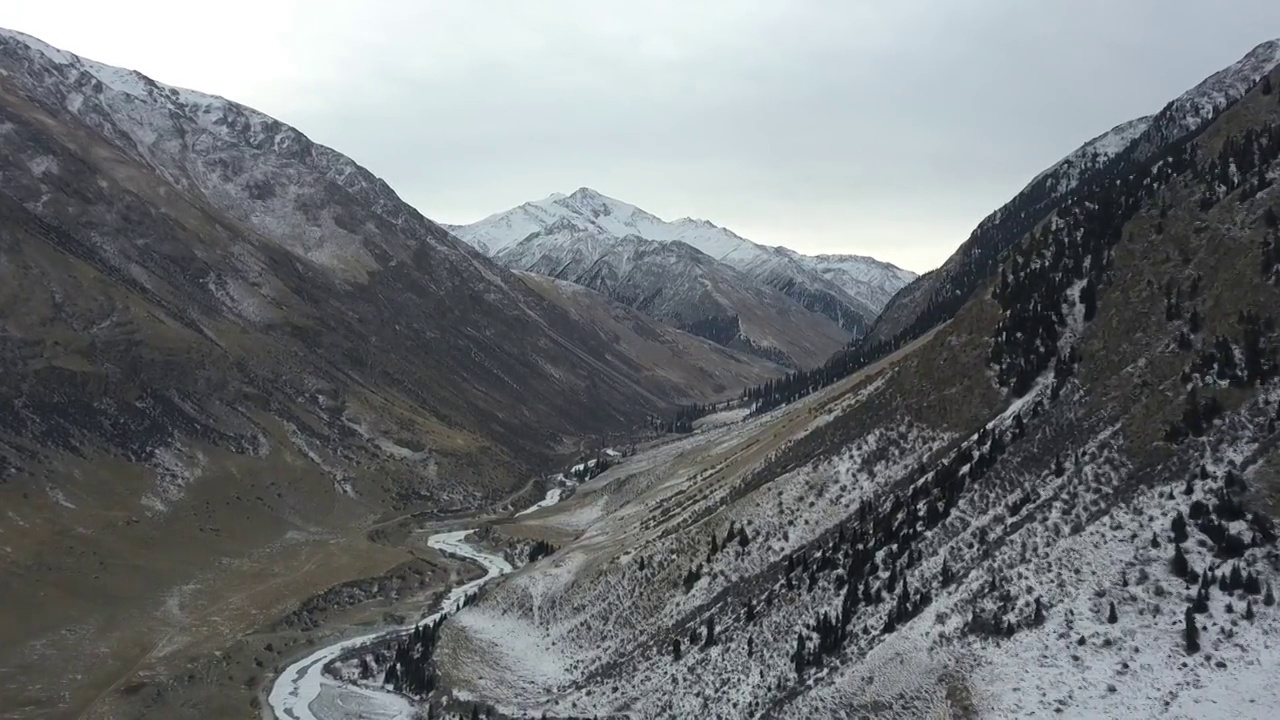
{"points": [[1073, 515], [936, 296], [851, 297], [1065, 175], [677, 284], [1190, 111], [584, 209], [607, 217], [656, 348], [868, 282], [263, 172]]}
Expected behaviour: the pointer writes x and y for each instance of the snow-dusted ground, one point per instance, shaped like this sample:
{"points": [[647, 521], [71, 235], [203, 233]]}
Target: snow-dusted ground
{"points": [[529, 645], [724, 417], [304, 692], [589, 630]]}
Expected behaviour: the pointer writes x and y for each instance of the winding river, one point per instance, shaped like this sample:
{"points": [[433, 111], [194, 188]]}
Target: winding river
{"points": [[304, 692]]}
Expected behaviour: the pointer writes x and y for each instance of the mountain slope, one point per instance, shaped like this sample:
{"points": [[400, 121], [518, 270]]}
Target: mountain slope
{"points": [[1062, 502], [937, 295], [686, 360], [301, 241], [677, 284], [851, 297], [226, 349]]}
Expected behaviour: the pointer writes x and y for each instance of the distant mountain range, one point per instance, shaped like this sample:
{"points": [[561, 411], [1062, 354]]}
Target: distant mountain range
{"points": [[699, 276]]}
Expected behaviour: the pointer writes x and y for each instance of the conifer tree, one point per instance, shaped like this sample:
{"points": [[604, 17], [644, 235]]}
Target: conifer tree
{"points": [[1179, 563], [1089, 299], [1248, 610], [1112, 617], [1191, 632], [1201, 605], [1179, 528], [710, 638], [798, 657], [675, 649], [1251, 584]]}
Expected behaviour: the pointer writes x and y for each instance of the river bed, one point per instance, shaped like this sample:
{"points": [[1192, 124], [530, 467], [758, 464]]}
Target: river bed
{"points": [[304, 692]]}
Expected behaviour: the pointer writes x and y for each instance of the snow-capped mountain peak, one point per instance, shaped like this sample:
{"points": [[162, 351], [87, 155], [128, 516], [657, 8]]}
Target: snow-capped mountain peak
{"points": [[571, 218]]}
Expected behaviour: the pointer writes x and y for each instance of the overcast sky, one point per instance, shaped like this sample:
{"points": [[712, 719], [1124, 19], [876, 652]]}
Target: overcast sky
{"points": [[864, 126]]}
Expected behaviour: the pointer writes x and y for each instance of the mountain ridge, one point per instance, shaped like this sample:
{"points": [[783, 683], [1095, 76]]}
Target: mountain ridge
{"points": [[615, 218], [936, 295], [676, 283], [597, 230]]}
